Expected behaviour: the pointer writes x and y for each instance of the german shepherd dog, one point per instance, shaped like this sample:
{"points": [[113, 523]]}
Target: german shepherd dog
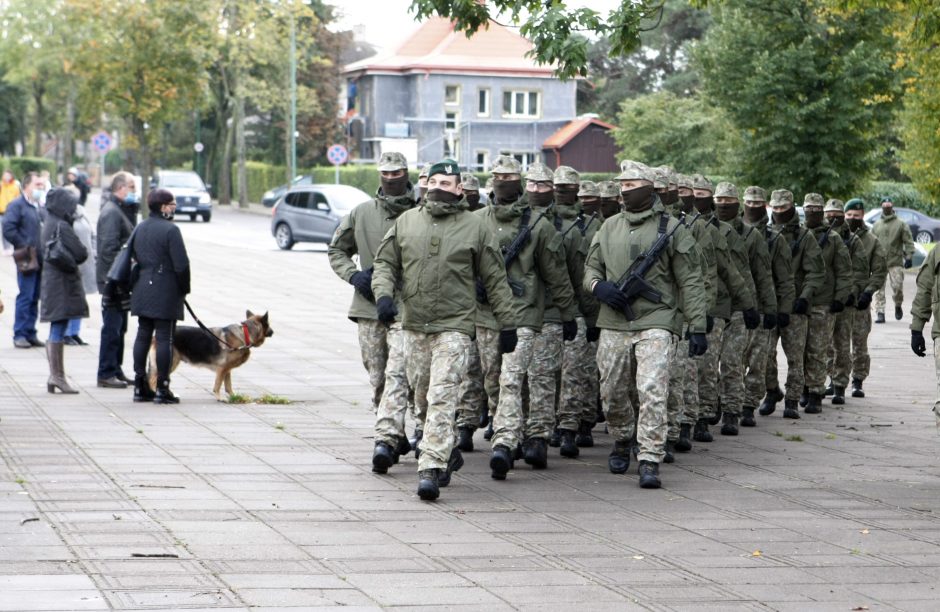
{"points": [[222, 351]]}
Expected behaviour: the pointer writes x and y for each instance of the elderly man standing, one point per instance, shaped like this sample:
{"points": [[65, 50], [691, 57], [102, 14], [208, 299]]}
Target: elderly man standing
{"points": [[895, 236]]}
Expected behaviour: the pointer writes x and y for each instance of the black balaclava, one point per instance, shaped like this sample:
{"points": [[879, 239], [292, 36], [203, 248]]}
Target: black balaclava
{"points": [[609, 207], [686, 203], [442, 195], [473, 200], [541, 199], [507, 191], [755, 214], [727, 212], [836, 221], [395, 187], [887, 211], [814, 218], [855, 224], [566, 195], [704, 205], [590, 206], [638, 200], [783, 217]]}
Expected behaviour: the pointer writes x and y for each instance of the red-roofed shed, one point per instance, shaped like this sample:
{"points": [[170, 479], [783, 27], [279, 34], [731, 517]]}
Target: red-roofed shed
{"points": [[585, 144]]}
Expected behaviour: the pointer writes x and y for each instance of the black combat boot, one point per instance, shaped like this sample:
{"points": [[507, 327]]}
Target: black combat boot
{"points": [[619, 460], [830, 390], [838, 396], [714, 420], [684, 444], [500, 462], [163, 394], [857, 390], [585, 438], [769, 404], [729, 425], [814, 405], [428, 488], [555, 440], [453, 465], [701, 433], [880, 317], [416, 442], [488, 432], [747, 417], [142, 390], [670, 456], [649, 475], [465, 439], [383, 457], [402, 448], [898, 313], [804, 397], [536, 453], [600, 412], [485, 415], [790, 410], [569, 448]]}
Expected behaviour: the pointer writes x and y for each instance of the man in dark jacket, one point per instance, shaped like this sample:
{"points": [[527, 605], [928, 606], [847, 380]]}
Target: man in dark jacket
{"points": [[114, 228], [74, 177], [22, 223]]}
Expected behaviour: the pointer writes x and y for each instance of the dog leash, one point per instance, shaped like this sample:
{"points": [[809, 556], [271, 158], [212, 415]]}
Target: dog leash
{"points": [[209, 331]]}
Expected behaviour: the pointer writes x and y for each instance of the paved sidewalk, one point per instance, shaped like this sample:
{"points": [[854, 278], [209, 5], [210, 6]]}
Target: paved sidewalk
{"points": [[107, 504]]}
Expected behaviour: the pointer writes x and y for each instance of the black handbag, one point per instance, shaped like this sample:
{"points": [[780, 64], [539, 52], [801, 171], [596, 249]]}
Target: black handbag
{"points": [[58, 255], [120, 272]]}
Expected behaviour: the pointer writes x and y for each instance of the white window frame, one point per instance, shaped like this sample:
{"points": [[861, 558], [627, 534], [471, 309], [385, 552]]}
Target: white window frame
{"points": [[488, 101], [485, 164], [525, 158], [455, 102], [514, 111], [456, 122]]}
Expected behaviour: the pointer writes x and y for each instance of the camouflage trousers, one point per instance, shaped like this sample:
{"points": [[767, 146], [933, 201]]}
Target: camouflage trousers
{"points": [[472, 396], [578, 380], [436, 364], [508, 420], [589, 410], [707, 366], [861, 327], [936, 365], [755, 357], [490, 361], [373, 345], [896, 279], [818, 341], [839, 359], [542, 378], [398, 391], [793, 339], [731, 367], [676, 408], [690, 401], [634, 369]]}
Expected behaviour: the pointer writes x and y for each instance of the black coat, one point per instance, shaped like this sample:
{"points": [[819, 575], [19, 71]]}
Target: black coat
{"points": [[162, 276], [61, 293], [114, 229]]}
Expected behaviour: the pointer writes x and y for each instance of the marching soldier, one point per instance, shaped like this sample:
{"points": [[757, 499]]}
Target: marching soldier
{"points": [[895, 237], [926, 305], [471, 190], [610, 198]]}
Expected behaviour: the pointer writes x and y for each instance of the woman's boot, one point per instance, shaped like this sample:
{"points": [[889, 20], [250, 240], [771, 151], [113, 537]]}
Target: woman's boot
{"points": [[142, 390], [56, 380], [164, 395]]}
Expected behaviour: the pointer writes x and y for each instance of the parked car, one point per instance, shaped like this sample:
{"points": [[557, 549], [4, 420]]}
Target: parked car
{"points": [[271, 196], [311, 213], [192, 195], [924, 229]]}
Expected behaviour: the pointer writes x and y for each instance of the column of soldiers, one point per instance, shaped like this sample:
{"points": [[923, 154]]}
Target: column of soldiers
{"points": [[653, 302]]}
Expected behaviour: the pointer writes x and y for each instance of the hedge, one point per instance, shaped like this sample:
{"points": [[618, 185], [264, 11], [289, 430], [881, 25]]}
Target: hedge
{"points": [[21, 165]]}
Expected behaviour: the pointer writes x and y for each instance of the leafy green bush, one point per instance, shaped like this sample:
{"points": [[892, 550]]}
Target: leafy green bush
{"points": [[21, 165], [903, 195]]}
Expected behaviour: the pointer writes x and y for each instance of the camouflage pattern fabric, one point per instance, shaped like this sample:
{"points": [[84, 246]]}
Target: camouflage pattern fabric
{"points": [[508, 420], [589, 410], [543, 369], [488, 348], [373, 345], [793, 339], [755, 358], [578, 379], [678, 378], [839, 362], [936, 365], [896, 279], [471, 392], [861, 327], [690, 400], [398, 396], [818, 340], [636, 365], [707, 366], [731, 367]]}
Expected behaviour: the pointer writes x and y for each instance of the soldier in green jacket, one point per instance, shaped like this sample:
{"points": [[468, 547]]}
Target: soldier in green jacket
{"points": [[471, 191], [610, 198], [633, 355], [895, 237], [435, 253], [360, 233], [926, 305]]}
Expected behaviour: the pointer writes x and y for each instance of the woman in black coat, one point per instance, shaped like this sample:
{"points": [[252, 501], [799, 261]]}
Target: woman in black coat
{"points": [[160, 282], [61, 294]]}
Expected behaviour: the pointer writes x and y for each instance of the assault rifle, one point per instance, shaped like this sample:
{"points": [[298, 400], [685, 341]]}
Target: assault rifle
{"points": [[824, 239], [514, 248], [633, 282]]}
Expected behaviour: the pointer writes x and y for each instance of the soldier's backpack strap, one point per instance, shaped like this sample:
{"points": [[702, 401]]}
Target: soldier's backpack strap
{"points": [[748, 234], [663, 224], [714, 221]]}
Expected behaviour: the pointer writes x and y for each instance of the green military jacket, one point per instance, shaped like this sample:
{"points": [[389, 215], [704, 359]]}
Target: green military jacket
{"points": [[781, 267], [575, 254], [838, 278], [705, 242], [540, 267], [437, 252], [869, 255], [360, 233], [895, 237], [732, 292], [809, 272], [927, 299], [758, 262], [676, 274]]}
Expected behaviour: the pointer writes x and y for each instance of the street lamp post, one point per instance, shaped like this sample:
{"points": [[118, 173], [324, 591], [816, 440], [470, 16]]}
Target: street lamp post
{"points": [[293, 99]]}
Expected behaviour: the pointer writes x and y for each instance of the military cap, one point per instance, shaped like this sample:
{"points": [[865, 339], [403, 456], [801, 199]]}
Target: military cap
{"points": [[684, 180], [813, 199], [589, 189], [726, 190], [539, 172], [424, 171], [391, 161], [506, 164], [700, 182], [670, 175], [755, 194], [855, 204], [489, 184], [469, 182], [781, 197], [609, 189], [834, 205], [445, 166], [660, 178], [634, 171], [565, 175]]}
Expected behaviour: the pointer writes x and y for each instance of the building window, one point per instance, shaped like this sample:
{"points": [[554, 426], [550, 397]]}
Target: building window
{"points": [[521, 103], [482, 161], [523, 157], [483, 103], [451, 119], [452, 95]]}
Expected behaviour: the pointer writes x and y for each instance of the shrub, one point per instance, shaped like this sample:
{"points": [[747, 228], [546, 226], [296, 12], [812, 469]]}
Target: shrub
{"points": [[21, 165]]}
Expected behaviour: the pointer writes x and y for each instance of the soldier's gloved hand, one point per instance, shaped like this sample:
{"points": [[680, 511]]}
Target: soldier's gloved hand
{"points": [[849, 301], [709, 323], [507, 341], [362, 281], [800, 306], [783, 319], [917, 343], [386, 308], [698, 344], [836, 306], [569, 330], [770, 320], [593, 334], [751, 318], [481, 292], [864, 301], [908, 263], [608, 293]]}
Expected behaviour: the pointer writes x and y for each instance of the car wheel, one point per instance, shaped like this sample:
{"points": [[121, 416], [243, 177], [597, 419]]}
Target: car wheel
{"points": [[923, 237], [192, 217], [283, 236], [206, 217]]}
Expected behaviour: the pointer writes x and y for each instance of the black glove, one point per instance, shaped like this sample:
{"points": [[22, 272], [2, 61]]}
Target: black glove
{"points": [[800, 306], [783, 319], [751, 318], [917, 343], [507, 341], [362, 281], [770, 320], [909, 263], [608, 293], [593, 333], [709, 323], [386, 308], [864, 301], [698, 344], [849, 301], [481, 292], [836, 306], [569, 330]]}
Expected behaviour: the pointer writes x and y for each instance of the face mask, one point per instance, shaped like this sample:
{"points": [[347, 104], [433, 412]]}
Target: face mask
{"points": [[855, 224], [887, 212], [566, 195], [814, 218], [703, 205], [507, 191], [639, 199], [687, 202], [473, 201], [442, 195], [590, 206], [541, 199], [395, 187], [39, 195], [836, 221], [726, 212], [783, 217], [167, 215], [132, 197], [671, 197], [755, 214], [609, 207]]}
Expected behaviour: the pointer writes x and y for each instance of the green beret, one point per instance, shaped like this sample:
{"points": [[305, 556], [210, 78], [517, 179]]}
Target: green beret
{"points": [[855, 204], [445, 166]]}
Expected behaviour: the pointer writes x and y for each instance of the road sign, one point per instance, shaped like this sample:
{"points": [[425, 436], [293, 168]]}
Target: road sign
{"points": [[337, 154], [198, 147], [102, 141]]}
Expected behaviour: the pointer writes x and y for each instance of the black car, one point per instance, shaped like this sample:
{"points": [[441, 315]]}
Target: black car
{"points": [[924, 229], [271, 196], [192, 195]]}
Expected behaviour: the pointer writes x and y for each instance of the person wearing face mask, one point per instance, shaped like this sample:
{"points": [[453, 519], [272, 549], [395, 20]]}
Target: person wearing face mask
{"points": [[895, 236], [422, 187], [381, 345], [634, 356], [666, 188], [610, 199], [761, 340], [436, 253], [22, 223], [161, 283], [471, 190], [9, 191], [809, 274]]}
